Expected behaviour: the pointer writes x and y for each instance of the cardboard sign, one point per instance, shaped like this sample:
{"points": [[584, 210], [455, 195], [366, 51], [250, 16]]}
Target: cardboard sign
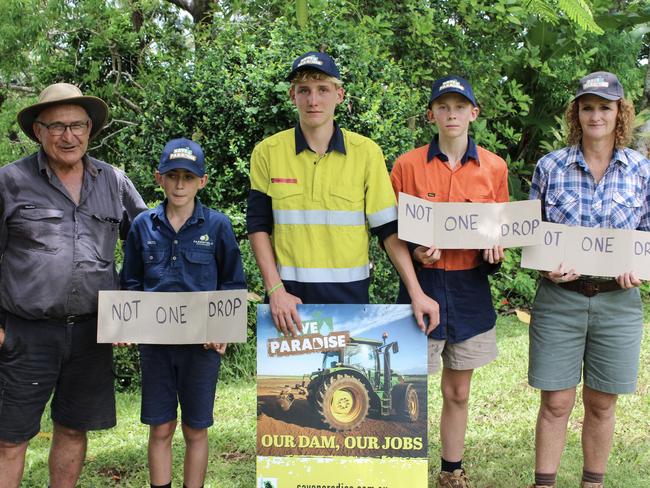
{"points": [[449, 225], [590, 251], [315, 424], [172, 318]]}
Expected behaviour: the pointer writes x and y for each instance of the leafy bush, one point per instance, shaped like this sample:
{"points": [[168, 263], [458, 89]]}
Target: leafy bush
{"points": [[513, 286]]}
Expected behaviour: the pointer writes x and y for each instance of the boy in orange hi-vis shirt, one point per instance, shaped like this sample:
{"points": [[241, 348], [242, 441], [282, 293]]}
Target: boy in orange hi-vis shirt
{"points": [[452, 168]]}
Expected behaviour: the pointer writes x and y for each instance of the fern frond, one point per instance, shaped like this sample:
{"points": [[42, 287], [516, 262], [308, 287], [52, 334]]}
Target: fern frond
{"points": [[579, 12], [544, 9]]}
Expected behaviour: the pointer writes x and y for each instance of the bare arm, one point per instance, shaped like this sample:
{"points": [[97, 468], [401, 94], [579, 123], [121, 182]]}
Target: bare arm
{"points": [[421, 303], [283, 304]]}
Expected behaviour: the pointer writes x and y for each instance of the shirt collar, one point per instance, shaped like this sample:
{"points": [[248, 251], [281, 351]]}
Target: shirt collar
{"points": [[337, 142], [576, 156], [470, 153], [43, 167], [198, 215]]}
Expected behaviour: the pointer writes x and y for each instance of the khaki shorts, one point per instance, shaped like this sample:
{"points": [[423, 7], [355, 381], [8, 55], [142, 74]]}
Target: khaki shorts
{"points": [[473, 353], [574, 337]]}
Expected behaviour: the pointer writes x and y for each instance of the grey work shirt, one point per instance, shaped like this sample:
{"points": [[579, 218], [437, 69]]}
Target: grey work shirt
{"points": [[55, 255]]}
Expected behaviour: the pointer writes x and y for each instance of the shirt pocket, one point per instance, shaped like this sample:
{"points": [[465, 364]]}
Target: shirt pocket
{"points": [[42, 229], [282, 191], [626, 210], [563, 207], [347, 194], [201, 267], [154, 266], [104, 232]]}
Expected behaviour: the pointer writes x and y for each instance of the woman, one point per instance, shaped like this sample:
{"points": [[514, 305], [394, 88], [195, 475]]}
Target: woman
{"points": [[588, 327]]}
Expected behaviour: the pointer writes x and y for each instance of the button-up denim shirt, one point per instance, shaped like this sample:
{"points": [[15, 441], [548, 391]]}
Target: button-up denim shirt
{"points": [[56, 255], [202, 256]]}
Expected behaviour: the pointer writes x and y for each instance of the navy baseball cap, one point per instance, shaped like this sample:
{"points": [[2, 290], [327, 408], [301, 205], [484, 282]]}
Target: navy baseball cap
{"points": [[452, 84], [182, 154], [315, 60], [602, 84]]}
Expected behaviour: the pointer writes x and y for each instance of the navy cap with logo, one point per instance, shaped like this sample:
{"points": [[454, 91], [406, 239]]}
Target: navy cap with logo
{"points": [[315, 60], [182, 154], [452, 84], [602, 84]]}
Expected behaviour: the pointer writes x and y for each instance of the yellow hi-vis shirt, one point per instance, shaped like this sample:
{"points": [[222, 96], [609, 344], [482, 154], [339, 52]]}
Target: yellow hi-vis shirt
{"points": [[321, 205]]}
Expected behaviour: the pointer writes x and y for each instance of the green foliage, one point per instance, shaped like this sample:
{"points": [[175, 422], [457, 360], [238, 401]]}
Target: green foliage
{"points": [[513, 286], [126, 368], [576, 10]]}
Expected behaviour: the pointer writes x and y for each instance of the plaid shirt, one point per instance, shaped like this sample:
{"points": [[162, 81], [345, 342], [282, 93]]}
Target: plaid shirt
{"points": [[571, 196]]}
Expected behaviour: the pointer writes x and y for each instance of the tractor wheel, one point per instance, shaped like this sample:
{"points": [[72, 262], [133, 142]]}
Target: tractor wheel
{"points": [[406, 402], [342, 402]]}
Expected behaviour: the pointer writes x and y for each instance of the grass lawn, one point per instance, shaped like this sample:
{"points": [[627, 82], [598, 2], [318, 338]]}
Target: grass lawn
{"points": [[499, 448]]}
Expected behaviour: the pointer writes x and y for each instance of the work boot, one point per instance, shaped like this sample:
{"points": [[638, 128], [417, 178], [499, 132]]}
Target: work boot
{"points": [[457, 479], [586, 484]]}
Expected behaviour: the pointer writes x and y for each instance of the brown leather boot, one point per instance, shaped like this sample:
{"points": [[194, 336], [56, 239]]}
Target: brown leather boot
{"points": [[457, 479]]}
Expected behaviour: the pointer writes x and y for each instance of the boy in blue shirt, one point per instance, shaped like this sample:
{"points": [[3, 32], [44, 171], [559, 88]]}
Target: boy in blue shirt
{"points": [[180, 246]]}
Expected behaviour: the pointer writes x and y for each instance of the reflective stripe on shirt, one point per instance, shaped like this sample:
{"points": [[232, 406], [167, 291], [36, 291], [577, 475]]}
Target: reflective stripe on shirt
{"points": [[382, 217], [324, 275], [318, 217]]}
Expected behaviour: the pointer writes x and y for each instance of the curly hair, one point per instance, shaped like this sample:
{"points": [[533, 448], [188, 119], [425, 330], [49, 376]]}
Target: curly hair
{"points": [[624, 123]]}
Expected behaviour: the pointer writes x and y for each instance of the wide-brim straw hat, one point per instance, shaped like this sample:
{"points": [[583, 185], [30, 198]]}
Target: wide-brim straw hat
{"points": [[60, 94]]}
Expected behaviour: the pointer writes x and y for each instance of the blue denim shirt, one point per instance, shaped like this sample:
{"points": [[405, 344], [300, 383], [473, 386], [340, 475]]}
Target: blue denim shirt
{"points": [[202, 256]]}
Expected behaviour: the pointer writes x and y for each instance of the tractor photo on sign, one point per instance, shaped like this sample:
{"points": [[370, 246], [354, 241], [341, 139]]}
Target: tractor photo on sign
{"points": [[353, 383]]}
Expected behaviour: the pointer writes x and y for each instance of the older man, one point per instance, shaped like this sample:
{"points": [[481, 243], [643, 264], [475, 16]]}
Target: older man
{"points": [[60, 216]]}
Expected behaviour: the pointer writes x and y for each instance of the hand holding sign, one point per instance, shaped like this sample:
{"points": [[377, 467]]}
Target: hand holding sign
{"points": [[284, 311], [628, 280], [426, 255], [560, 276], [493, 255]]}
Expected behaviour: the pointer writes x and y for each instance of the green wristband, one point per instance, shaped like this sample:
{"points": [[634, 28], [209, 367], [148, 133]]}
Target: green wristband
{"points": [[274, 288]]}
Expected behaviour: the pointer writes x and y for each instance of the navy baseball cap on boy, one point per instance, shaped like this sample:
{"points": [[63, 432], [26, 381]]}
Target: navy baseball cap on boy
{"points": [[315, 60], [452, 84], [182, 154], [602, 84]]}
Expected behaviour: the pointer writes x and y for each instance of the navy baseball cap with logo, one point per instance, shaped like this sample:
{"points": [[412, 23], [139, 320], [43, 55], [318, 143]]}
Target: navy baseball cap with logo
{"points": [[602, 84], [315, 60], [182, 154], [452, 84]]}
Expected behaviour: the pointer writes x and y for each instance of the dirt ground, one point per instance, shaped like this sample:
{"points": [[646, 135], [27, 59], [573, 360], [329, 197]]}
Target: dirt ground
{"points": [[300, 432]]}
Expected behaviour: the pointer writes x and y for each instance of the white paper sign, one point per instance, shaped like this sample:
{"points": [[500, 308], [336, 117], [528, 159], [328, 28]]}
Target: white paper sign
{"points": [[590, 251], [172, 318], [451, 225]]}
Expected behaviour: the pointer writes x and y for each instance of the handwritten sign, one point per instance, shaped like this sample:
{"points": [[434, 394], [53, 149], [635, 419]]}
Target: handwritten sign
{"points": [[590, 251], [172, 318], [449, 225]]}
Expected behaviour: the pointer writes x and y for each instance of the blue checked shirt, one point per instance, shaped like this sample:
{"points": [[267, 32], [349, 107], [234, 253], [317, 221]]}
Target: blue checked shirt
{"points": [[570, 195]]}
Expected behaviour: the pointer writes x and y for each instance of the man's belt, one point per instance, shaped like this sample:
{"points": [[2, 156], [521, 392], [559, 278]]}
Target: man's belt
{"points": [[74, 319], [590, 288]]}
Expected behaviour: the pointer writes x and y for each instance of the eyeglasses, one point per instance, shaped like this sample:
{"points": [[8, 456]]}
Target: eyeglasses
{"points": [[58, 129]]}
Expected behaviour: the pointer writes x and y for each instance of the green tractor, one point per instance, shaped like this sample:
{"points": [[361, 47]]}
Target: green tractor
{"points": [[354, 380]]}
